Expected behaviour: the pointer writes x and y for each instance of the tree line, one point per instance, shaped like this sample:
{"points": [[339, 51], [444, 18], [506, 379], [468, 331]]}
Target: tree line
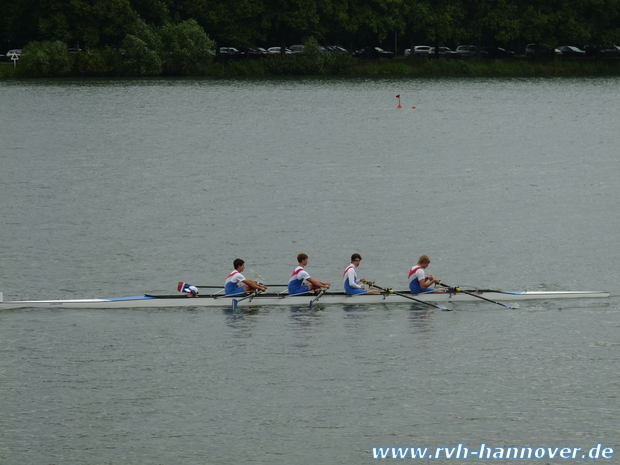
{"points": [[174, 27]]}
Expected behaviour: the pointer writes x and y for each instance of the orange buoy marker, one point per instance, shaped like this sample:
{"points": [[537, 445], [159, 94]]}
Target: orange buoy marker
{"points": [[399, 105], [413, 108]]}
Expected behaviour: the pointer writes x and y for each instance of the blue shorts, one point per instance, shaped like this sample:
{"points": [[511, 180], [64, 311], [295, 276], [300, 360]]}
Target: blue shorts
{"points": [[353, 290], [356, 291], [232, 289], [415, 288], [298, 290]]}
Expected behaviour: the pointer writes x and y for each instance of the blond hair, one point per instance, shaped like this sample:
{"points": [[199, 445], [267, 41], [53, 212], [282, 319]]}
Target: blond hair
{"points": [[424, 259]]}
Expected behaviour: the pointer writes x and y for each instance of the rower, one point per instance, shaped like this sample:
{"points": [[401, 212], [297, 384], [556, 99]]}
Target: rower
{"points": [[352, 285], [232, 284], [188, 289], [419, 283], [296, 284]]}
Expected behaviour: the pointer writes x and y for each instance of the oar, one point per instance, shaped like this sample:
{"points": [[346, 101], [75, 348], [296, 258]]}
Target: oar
{"points": [[390, 291], [220, 287], [317, 298], [479, 296], [236, 302]]}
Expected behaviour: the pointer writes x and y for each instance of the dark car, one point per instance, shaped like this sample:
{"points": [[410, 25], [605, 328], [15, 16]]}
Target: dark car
{"points": [[596, 51], [229, 53], [467, 51], [497, 53], [571, 51], [444, 52], [256, 53], [373, 53], [540, 51], [612, 52]]}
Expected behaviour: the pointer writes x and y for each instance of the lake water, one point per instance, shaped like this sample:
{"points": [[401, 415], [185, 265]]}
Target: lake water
{"points": [[111, 188]]}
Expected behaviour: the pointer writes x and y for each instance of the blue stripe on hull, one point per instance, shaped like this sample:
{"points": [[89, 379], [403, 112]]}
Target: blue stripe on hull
{"points": [[136, 297]]}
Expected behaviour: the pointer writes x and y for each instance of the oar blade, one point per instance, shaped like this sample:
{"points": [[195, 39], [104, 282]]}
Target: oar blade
{"points": [[316, 298]]}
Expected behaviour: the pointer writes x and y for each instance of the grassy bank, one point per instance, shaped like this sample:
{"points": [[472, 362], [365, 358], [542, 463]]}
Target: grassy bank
{"points": [[7, 70], [416, 67], [347, 66], [485, 67]]}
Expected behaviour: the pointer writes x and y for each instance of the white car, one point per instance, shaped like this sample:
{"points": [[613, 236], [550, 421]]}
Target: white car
{"points": [[421, 51], [278, 51], [16, 52]]}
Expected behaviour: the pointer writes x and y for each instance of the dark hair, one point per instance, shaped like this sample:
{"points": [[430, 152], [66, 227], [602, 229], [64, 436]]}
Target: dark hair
{"points": [[355, 256], [301, 257], [237, 263]]}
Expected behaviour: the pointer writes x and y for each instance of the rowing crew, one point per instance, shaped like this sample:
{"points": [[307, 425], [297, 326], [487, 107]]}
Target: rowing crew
{"points": [[301, 283]]}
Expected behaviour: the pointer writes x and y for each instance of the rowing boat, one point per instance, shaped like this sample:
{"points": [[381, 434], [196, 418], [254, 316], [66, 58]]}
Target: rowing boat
{"points": [[283, 299]]}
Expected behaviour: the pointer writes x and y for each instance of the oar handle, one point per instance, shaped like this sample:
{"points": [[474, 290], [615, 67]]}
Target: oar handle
{"points": [[390, 291]]}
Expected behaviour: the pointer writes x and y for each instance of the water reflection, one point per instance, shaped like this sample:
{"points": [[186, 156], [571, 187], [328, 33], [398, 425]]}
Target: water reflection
{"points": [[420, 319], [303, 318], [241, 321]]}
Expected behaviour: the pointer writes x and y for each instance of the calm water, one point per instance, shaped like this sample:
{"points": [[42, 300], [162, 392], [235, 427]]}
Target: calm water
{"points": [[123, 187]]}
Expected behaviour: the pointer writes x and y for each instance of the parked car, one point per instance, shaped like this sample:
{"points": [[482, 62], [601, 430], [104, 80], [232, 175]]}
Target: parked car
{"points": [[15, 52], [278, 51], [373, 53], [540, 51], [337, 49], [444, 52], [612, 52], [229, 53], [571, 51], [467, 51], [597, 51], [297, 48], [256, 53], [421, 51], [496, 52]]}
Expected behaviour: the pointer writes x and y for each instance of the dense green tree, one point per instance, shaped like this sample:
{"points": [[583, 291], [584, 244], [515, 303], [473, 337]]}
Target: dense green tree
{"points": [[49, 59], [154, 12], [373, 20], [186, 49], [239, 23], [18, 22], [88, 23], [102, 26], [141, 52], [491, 21], [438, 20]]}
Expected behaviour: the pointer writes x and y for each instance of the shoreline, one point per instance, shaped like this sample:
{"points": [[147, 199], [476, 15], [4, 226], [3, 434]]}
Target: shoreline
{"points": [[400, 66]]}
